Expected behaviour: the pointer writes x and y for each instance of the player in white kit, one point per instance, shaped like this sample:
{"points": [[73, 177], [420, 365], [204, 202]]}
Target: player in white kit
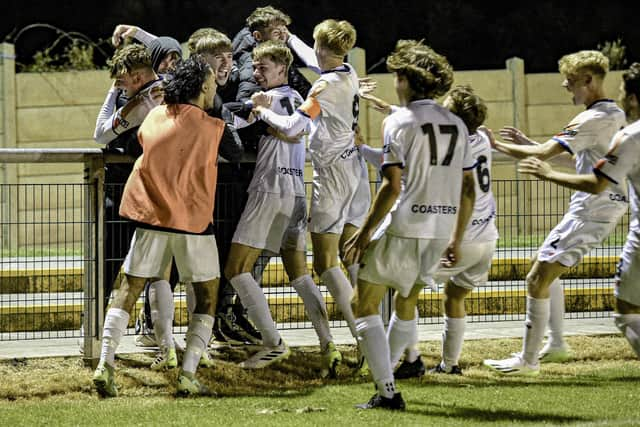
{"points": [[331, 112], [275, 217], [590, 218], [476, 251], [622, 161], [427, 165]]}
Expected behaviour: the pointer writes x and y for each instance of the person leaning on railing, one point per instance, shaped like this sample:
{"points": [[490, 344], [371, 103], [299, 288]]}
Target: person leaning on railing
{"points": [[136, 89]]}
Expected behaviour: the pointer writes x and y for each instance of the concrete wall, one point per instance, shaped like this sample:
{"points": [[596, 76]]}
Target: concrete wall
{"points": [[59, 110]]}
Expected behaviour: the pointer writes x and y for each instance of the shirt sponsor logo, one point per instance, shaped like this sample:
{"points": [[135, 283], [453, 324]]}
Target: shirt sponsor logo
{"points": [[348, 152], [617, 197], [291, 171], [567, 132], [482, 221], [434, 209]]}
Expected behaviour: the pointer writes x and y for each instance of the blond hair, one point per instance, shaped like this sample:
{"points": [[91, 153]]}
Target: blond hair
{"points": [[129, 58], [262, 17], [212, 43], [428, 73], [337, 36], [468, 106], [592, 61], [276, 51]]}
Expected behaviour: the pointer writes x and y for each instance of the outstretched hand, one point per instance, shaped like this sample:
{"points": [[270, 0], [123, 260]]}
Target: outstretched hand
{"points": [[378, 104], [534, 166], [514, 136]]}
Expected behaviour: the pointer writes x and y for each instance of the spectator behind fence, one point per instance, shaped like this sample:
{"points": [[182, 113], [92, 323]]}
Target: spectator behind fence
{"points": [[170, 197]]}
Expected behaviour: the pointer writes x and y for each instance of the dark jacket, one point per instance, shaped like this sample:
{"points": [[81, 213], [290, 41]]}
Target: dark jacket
{"points": [[242, 45]]}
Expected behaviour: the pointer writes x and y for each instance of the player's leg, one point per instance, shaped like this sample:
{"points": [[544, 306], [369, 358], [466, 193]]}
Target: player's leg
{"points": [[325, 263], [454, 326], [374, 345], [538, 280], [627, 293]]}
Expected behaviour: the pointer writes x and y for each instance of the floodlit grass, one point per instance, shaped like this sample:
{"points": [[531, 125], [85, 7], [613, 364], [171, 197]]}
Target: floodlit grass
{"points": [[600, 387]]}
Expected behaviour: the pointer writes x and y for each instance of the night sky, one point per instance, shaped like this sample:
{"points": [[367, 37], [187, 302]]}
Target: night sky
{"points": [[473, 35]]}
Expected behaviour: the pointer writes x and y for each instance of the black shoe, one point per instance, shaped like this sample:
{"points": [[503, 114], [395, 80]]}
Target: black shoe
{"points": [[217, 334], [438, 369], [413, 369], [396, 403], [241, 320], [234, 333]]}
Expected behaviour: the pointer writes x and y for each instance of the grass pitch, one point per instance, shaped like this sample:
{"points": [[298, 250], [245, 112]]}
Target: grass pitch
{"points": [[598, 388]]}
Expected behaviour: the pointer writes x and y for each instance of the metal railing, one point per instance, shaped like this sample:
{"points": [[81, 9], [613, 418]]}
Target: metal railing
{"points": [[52, 270]]}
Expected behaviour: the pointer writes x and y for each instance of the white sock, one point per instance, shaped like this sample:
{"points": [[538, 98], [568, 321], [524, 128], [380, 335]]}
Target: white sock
{"points": [[411, 352], [162, 308], [452, 339], [198, 335], [556, 314], [257, 307], [115, 323], [342, 292], [315, 307], [629, 325], [373, 344], [537, 318], [191, 297], [400, 335], [353, 274]]}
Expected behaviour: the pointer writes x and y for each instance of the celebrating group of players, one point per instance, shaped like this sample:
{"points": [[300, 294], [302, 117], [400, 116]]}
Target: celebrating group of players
{"points": [[432, 219]]}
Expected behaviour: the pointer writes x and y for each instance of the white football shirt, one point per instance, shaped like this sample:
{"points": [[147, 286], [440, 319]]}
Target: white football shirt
{"points": [[623, 162], [482, 225], [280, 164], [431, 144], [587, 137], [334, 114]]}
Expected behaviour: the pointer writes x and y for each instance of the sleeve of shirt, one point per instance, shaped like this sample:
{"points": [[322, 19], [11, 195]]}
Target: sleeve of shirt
{"points": [[392, 150], [578, 136], [289, 125], [469, 161], [305, 52], [371, 155], [103, 133], [144, 37], [620, 159]]}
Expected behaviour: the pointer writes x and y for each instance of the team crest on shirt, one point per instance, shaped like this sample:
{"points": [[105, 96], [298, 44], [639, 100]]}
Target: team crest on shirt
{"points": [[611, 158], [567, 132]]}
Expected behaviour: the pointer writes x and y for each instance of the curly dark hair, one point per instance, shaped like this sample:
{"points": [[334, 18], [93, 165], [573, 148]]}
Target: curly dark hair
{"points": [[631, 79], [429, 73], [187, 82]]}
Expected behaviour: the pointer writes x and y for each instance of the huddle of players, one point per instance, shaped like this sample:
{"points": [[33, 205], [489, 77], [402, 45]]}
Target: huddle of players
{"points": [[433, 215]]}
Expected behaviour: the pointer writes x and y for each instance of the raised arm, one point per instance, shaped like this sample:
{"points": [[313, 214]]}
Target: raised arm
{"points": [[124, 31], [513, 147], [590, 183], [305, 52]]}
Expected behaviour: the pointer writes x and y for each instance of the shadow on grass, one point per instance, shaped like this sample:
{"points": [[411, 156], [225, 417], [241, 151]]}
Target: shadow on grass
{"points": [[471, 413]]}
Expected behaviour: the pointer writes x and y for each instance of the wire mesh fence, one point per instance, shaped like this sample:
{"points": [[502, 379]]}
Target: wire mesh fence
{"points": [[44, 241]]}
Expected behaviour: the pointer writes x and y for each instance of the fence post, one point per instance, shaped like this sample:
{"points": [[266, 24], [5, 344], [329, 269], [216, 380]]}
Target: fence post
{"points": [[93, 311], [520, 120], [8, 171]]}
